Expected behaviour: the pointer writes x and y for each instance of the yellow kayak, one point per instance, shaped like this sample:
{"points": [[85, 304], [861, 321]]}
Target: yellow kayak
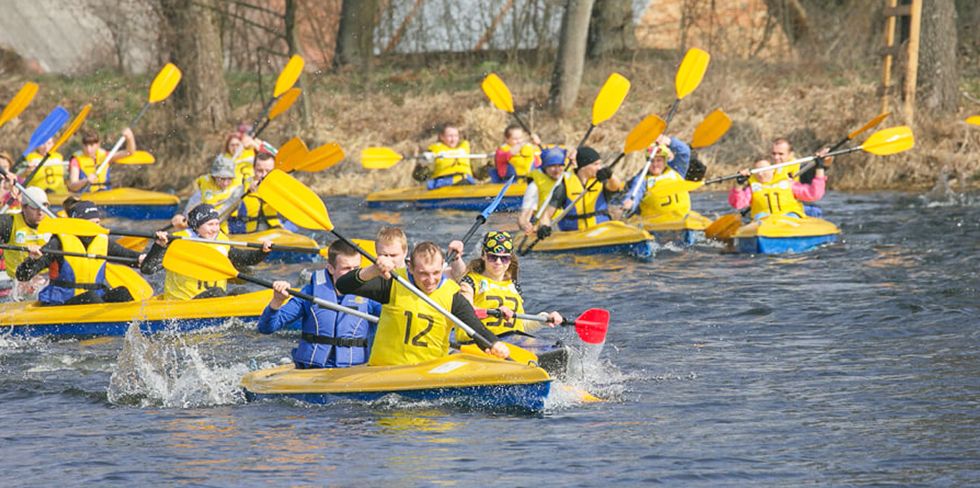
{"points": [[129, 203], [282, 237], [155, 314], [608, 237], [458, 197], [688, 229], [780, 234], [461, 379]]}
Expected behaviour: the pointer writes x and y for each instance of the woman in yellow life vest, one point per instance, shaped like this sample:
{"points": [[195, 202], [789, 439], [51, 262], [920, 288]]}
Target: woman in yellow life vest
{"points": [[77, 280], [51, 177], [658, 199], [491, 283], [254, 214], [768, 196], [517, 156], [20, 229], [203, 224], [241, 148], [539, 185], [218, 189], [85, 163], [410, 331], [446, 169], [590, 210]]}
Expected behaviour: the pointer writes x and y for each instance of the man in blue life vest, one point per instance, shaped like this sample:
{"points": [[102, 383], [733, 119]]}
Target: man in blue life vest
{"points": [[593, 208], [330, 339], [539, 185], [76, 280]]}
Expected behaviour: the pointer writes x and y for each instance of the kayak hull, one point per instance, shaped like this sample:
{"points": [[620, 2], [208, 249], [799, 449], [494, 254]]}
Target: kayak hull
{"points": [[782, 234], [113, 319], [456, 197], [465, 380], [130, 203], [282, 237], [612, 237], [687, 230]]}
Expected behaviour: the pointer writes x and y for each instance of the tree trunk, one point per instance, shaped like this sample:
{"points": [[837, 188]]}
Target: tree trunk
{"points": [[791, 15], [293, 45], [567, 76], [355, 36], [201, 97], [611, 30], [938, 79]]}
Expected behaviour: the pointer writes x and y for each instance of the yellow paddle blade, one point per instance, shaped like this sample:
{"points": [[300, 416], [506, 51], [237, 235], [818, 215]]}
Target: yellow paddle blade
{"points": [[299, 204], [368, 247], [610, 97], [644, 133], [724, 228], [379, 158], [75, 227], [291, 153], [199, 261], [690, 72], [973, 119], [715, 125], [133, 243], [75, 124], [498, 93], [890, 141], [138, 157], [164, 83], [875, 121], [119, 275], [518, 354], [284, 102], [289, 74], [20, 102], [321, 158]]}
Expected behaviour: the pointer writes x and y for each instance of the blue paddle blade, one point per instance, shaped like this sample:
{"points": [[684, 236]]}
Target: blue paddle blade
{"points": [[48, 128], [496, 201]]}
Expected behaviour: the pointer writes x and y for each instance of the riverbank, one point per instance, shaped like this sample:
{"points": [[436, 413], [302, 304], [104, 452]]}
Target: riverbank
{"points": [[398, 107]]}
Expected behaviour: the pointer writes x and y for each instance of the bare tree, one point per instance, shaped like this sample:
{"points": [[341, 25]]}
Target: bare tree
{"points": [[938, 78], [355, 36], [567, 76], [611, 30]]}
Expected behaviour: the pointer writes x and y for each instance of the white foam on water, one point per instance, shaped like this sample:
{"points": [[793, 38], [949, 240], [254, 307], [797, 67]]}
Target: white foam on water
{"points": [[587, 379], [166, 371]]}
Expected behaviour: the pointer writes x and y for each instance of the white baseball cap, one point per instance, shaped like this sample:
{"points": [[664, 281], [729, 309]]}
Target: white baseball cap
{"points": [[34, 197]]}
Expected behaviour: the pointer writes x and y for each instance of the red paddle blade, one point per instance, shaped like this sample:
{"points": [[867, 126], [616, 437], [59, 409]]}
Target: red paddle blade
{"points": [[592, 325]]}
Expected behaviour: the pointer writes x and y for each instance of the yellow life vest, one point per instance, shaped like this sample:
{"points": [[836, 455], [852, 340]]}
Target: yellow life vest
{"points": [[182, 287], [409, 330], [523, 162], [661, 200], [784, 172], [456, 167], [51, 177], [584, 212], [775, 198], [244, 169], [85, 270], [489, 293], [544, 183], [21, 234], [88, 166], [256, 212]]}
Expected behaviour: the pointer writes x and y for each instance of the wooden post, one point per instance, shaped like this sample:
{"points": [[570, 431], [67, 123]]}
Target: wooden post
{"points": [[886, 75], [912, 67]]}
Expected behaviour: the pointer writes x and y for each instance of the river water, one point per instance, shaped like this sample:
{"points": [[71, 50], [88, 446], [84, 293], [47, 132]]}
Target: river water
{"points": [[856, 364]]}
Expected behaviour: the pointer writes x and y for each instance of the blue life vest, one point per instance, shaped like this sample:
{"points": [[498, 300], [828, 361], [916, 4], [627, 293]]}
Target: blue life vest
{"points": [[328, 342]]}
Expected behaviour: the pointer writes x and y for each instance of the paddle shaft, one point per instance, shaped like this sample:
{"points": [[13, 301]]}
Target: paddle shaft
{"points": [[484, 215], [122, 139], [28, 179], [480, 340], [254, 245], [23, 194], [806, 167], [541, 317], [310, 298], [787, 163], [111, 259]]}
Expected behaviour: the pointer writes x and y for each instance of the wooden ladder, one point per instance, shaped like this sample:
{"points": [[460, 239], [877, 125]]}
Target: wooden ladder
{"points": [[892, 12]]}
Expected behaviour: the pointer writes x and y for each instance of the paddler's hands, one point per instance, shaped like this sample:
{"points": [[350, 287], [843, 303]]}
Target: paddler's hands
{"points": [[457, 248], [179, 222], [544, 232], [280, 296], [627, 204], [266, 245], [506, 313], [498, 349], [383, 266], [140, 259], [34, 251], [162, 238], [554, 318], [743, 177]]}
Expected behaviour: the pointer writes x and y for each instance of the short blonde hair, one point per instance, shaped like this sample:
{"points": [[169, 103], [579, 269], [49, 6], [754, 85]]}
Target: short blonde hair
{"points": [[390, 234], [426, 251]]}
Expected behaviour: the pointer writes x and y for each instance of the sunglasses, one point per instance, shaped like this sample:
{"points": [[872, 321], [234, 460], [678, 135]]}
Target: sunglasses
{"points": [[503, 258]]}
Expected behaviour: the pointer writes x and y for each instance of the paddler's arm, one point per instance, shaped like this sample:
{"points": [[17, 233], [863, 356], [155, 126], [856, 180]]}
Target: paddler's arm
{"points": [[681, 151], [6, 227], [153, 261], [528, 205], [278, 314], [367, 283], [740, 196], [464, 311], [457, 268], [127, 134], [246, 257], [33, 265]]}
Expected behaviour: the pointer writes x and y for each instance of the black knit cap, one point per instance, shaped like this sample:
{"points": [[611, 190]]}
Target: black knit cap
{"points": [[586, 156], [201, 214], [85, 210]]}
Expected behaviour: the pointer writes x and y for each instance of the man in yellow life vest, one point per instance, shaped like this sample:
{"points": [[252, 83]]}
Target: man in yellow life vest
{"points": [[539, 185], [77, 280], [517, 156], [491, 283], [658, 198], [410, 331], [590, 210], [449, 164], [203, 223], [254, 214], [20, 229], [765, 195], [217, 189], [51, 177], [85, 163]]}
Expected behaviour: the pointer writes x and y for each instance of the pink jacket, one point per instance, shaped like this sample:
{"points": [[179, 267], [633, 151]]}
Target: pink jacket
{"points": [[811, 192]]}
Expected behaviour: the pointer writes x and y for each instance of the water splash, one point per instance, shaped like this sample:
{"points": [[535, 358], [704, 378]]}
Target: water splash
{"points": [[166, 371], [588, 379]]}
